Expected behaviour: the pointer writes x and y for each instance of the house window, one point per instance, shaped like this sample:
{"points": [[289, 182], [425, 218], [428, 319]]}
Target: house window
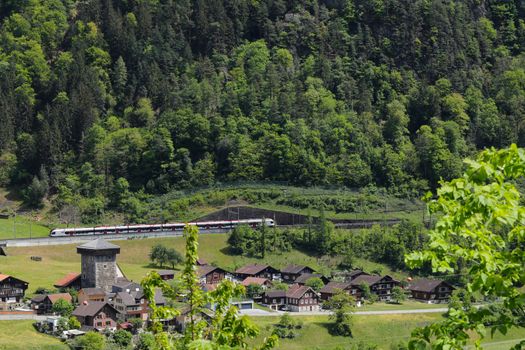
{"points": [[108, 323], [105, 265]]}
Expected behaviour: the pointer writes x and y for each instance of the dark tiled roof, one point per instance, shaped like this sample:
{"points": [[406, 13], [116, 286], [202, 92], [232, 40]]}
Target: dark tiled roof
{"points": [[207, 269], [425, 285], [201, 262], [302, 278], [89, 309], [366, 279], [127, 298], [296, 291], [166, 272], [252, 269], [294, 268], [98, 244], [67, 280], [275, 293], [355, 273], [331, 287], [38, 298], [159, 297]]}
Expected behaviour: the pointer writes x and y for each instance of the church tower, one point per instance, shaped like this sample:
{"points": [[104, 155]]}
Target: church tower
{"points": [[99, 264]]}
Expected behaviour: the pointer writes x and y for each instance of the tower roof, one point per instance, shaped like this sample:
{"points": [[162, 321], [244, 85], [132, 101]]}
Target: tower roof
{"points": [[98, 244]]}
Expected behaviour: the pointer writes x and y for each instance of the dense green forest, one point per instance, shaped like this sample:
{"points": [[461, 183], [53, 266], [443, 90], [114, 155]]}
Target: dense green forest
{"points": [[103, 102]]}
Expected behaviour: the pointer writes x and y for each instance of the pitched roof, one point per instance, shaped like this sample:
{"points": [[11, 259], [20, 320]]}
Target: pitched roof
{"points": [[127, 298], [296, 291], [67, 280], [93, 291], [55, 297], [38, 298], [90, 308], [252, 269], [254, 280], [294, 268], [166, 272], [98, 244], [4, 277], [425, 285], [159, 297], [201, 262], [356, 272], [366, 279], [206, 269], [275, 293], [331, 287], [302, 278]]}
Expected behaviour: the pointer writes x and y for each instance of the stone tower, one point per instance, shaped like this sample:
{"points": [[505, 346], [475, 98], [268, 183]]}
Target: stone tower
{"points": [[99, 264]]}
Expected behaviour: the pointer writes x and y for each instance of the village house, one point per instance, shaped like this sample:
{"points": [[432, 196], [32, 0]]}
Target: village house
{"points": [[201, 262], [263, 282], [166, 274], [352, 275], [125, 286], [130, 305], [306, 276], [182, 320], [12, 289], [380, 285], [332, 288], [297, 299], [431, 291], [91, 295], [209, 274], [43, 303], [96, 315], [70, 281], [290, 273], [260, 271]]}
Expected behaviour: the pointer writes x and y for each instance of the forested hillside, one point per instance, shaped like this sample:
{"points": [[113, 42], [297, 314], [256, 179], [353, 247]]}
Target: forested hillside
{"points": [[100, 99]]}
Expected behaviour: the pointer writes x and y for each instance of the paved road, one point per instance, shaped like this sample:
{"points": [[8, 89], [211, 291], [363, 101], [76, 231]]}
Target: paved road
{"points": [[263, 313], [22, 317], [26, 242]]}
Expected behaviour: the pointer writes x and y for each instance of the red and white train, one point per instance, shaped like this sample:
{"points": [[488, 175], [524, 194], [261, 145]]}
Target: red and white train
{"points": [[141, 229]]}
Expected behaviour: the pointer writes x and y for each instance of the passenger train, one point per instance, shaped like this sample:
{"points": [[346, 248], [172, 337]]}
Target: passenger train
{"points": [[140, 229]]}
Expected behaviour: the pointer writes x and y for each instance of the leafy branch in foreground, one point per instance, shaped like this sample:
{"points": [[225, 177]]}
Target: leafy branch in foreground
{"points": [[226, 330], [482, 233]]}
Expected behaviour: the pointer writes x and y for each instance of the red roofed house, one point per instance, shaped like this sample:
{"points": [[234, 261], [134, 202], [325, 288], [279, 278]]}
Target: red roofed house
{"points": [[12, 289], [261, 271], [431, 291], [71, 280], [43, 304], [96, 315], [263, 282]]}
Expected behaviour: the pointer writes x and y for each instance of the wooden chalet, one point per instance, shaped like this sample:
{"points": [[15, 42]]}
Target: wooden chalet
{"points": [[12, 289], [290, 273], [332, 288], [166, 274], [260, 271], [96, 315], [380, 285], [43, 304], [92, 295], [297, 299], [306, 276], [263, 282], [70, 281], [431, 291], [209, 274]]}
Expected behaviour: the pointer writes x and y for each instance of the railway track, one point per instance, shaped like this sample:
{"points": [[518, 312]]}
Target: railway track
{"points": [[28, 242]]}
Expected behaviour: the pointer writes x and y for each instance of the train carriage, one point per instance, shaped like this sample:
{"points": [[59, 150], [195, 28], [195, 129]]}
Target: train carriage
{"points": [[169, 227]]}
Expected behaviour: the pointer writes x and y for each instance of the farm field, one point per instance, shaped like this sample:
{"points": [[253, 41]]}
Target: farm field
{"points": [[134, 260], [382, 330], [12, 332]]}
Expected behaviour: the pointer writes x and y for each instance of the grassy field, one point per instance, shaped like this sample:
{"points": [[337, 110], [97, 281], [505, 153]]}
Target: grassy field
{"points": [[383, 331], [21, 227], [134, 261], [20, 335]]}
